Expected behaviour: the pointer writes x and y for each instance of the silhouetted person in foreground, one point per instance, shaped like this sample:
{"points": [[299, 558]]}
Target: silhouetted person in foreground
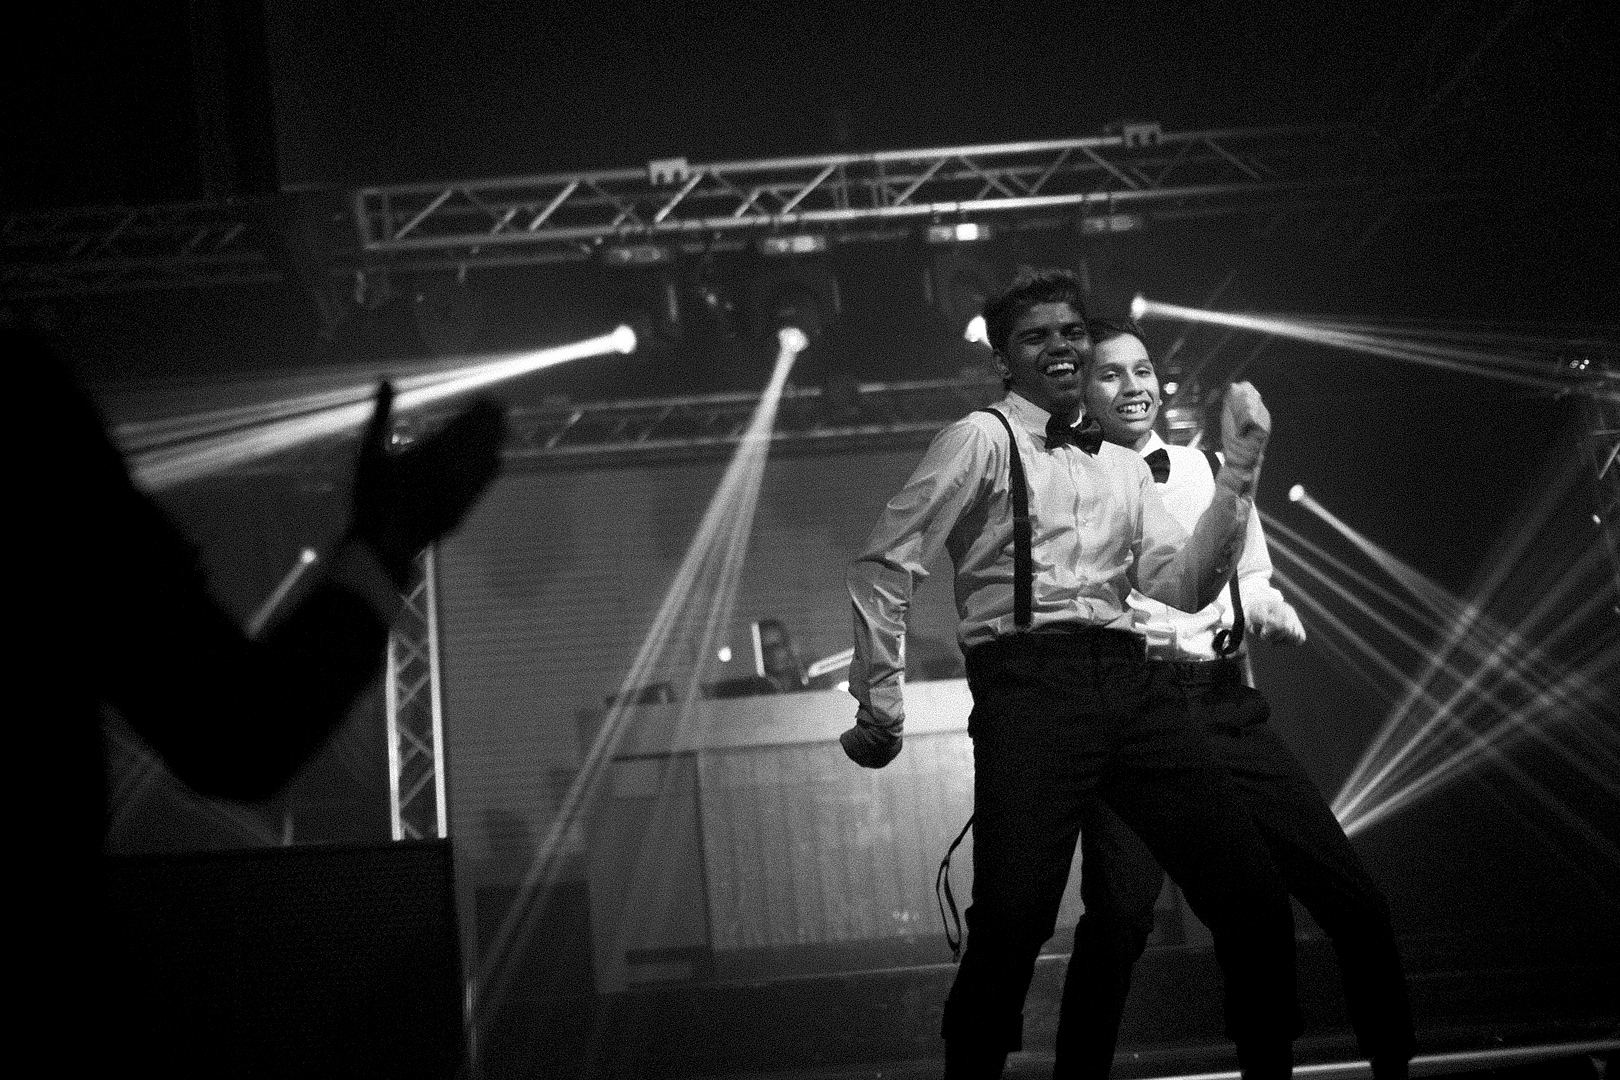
{"points": [[112, 608]]}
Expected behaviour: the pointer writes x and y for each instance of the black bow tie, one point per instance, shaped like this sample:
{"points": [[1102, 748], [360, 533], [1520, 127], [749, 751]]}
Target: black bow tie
{"points": [[1088, 436], [1159, 462]]}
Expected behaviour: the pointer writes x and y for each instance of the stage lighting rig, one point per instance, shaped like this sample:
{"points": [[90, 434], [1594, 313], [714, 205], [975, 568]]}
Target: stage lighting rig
{"points": [[793, 244], [960, 232]]}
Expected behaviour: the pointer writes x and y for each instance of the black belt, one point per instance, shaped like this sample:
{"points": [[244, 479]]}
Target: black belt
{"points": [[1202, 672]]}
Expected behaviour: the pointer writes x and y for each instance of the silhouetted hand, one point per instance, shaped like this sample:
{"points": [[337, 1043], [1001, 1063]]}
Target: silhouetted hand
{"points": [[1276, 621], [1245, 428], [405, 501], [871, 743]]}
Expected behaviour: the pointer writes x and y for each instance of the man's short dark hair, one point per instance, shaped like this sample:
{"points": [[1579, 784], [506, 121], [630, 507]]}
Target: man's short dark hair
{"points": [[1101, 329], [1030, 287]]}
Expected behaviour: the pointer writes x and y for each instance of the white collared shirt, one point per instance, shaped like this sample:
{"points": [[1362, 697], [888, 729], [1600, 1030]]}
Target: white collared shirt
{"points": [[1099, 529], [1179, 635]]}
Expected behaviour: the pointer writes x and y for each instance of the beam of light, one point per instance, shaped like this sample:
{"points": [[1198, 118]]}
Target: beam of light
{"points": [[694, 613], [1502, 668], [1519, 367], [1383, 673], [273, 602], [167, 452], [1491, 686], [1476, 697], [146, 772]]}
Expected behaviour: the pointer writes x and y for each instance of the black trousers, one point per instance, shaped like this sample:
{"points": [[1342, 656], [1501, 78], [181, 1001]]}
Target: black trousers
{"points": [[1060, 721], [1120, 884]]}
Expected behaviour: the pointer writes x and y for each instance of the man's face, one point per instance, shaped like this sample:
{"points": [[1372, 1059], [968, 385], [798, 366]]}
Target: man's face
{"points": [[1043, 356], [1122, 390]]}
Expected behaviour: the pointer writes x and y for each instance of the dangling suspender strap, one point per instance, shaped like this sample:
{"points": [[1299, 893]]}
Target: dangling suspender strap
{"points": [[1230, 641], [1023, 613], [1023, 536]]}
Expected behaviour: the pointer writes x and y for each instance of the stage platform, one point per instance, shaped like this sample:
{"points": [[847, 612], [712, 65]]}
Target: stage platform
{"points": [[1482, 1007]]}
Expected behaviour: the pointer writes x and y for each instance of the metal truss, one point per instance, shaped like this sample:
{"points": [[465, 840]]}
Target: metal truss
{"points": [[1101, 180], [90, 250], [1101, 183], [1600, 417], [809, 419], [415, 713]]}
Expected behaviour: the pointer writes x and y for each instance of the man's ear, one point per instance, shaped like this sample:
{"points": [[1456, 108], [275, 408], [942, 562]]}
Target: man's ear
{"points": [[1001, 364]]}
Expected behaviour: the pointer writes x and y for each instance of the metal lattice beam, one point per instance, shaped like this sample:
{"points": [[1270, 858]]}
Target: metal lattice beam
{"points": [[1102, 180], [1600, 416], [415, 713], [103, 249], [566, 216]]}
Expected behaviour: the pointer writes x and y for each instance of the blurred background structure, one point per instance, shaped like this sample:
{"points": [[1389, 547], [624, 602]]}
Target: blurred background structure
{"points": [[613, 704]]}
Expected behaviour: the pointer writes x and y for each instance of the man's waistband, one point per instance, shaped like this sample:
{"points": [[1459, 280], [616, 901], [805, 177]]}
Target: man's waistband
{"points": [[1068, 638], [1201, 672]]}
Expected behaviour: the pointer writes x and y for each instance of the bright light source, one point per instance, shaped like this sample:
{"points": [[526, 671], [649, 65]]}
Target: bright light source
{"points": [[307, 556], [1138, 306], [795, 244], [793, 340], [844, 686], [1296, 493], [724, 654], [636, 254], [959, 232], [1171, 387], [623, 340], [977, 330]]}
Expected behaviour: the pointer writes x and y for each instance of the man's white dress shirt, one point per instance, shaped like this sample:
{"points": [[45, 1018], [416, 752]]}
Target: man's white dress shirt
{"points": [[1100, 529]]}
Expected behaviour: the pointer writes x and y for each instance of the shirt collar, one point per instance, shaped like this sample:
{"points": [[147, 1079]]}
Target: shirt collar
{"points": [[1029, 414], [1153, 443]]}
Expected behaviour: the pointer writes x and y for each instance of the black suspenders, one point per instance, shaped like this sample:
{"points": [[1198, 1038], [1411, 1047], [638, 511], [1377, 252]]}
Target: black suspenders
{"points": [[1023, 542]]}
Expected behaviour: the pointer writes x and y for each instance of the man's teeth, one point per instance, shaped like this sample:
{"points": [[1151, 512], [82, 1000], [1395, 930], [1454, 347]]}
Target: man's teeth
{"points": [[1063, 367], [1133, 411]]}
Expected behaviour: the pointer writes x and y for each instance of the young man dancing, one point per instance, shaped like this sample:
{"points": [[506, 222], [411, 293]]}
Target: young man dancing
{"points": [[1049, 528], [1120, 880]]}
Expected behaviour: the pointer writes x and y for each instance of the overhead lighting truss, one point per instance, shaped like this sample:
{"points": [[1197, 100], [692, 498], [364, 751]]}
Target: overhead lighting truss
{"points": [[1135, 175], [105, 249], [565, 216]]}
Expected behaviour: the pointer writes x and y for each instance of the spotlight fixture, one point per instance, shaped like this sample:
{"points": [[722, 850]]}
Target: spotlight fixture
{"points": [[1296, 493], [793, 340], [1138, 306], [1112, 223], [960, 232], [636, 254], [793, 244]]}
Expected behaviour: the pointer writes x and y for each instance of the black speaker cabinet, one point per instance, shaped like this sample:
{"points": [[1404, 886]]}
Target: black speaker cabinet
{"points": [[317, 961]]}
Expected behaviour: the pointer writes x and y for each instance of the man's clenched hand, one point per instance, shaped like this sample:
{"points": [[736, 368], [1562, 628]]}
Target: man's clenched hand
{"points": [[1276, 621], [871, 743], [1245, 428]]}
